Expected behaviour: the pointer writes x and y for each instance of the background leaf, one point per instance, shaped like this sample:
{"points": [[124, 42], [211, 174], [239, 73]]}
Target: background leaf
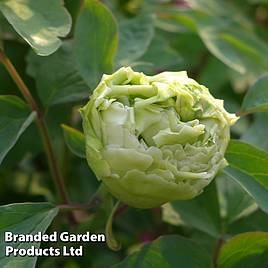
{"points": [[135, 36], [95, 41], [15, 117], [248, 167], [256, 99], [40, 23], [249, 159], [256, 134], [245, 250], [237, 48], [24, 218], [229, 36], [54, 86], [168, 252], [150, 62], [200, 212], [257, 191], [253, 222], [235, 202]]}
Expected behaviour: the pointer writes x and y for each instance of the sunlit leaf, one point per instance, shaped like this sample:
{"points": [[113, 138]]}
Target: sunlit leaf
{"points": [[39, 22]]}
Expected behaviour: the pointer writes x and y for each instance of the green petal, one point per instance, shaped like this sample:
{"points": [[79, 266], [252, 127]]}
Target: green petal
{"points": [[147, 116], [121, 159], [186, 135], [142, 190]]}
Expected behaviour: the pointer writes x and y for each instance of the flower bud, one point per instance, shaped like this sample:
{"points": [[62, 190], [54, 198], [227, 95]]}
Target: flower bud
{"points": [[155, 139]]}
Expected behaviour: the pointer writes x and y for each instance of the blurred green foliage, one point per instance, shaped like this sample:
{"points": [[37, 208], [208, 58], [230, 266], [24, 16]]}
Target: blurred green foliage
{"points": [[221, 44]]}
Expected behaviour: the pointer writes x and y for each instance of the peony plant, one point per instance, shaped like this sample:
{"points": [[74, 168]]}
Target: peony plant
{"points": [[155, 139]]}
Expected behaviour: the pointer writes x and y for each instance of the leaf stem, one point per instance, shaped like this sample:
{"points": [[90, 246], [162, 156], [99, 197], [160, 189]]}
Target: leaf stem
{"points": [[52, 160], [241, 113], [95, 202], [51, 156]]}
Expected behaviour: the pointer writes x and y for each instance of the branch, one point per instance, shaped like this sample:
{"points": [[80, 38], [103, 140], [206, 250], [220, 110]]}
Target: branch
{"points": [[51, 156]]}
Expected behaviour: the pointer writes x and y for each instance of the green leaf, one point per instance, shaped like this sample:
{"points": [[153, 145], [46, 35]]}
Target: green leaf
{"points": [[201, 212], [255, 221], [235, 202], [15, 117], [135, 36], [221, 9], [153, 63], [249, 168], [39, 22], [204, 240], [177, 20], [256, 99], [55, 84], [237, 48], [245, 250], [256, 134], [75, 141], [257, 191], [215, 75], [230, 36], [95, 41], [74, 8], [24, 218], [258, 1], [190, 48], [167, 252], [249, 159], [210, 6]]}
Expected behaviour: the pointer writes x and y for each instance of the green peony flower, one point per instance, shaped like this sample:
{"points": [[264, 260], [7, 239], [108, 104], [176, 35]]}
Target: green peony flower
{"points": [[155, 139]]}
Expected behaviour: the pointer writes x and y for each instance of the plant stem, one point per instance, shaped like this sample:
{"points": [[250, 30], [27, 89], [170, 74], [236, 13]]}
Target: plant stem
{"points": [[241, 113], [52, 160], [51, 156], [76, 207], [121, 209], [216, 253]]}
